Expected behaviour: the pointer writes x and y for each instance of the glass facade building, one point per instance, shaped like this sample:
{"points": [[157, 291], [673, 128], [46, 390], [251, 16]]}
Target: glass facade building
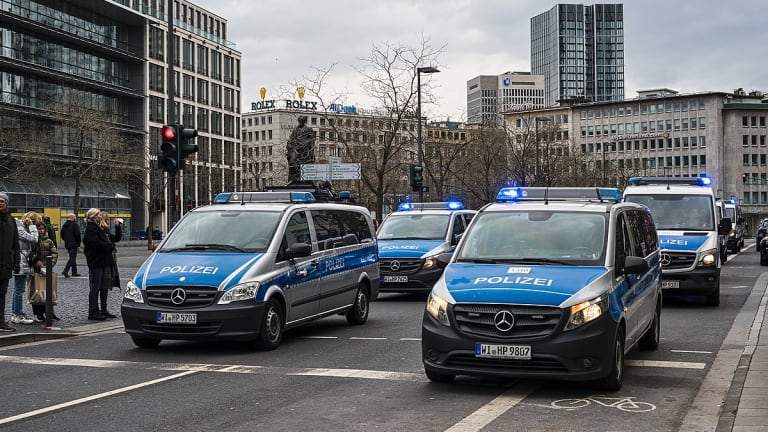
{"points": [[83, 96], [580, 51]]}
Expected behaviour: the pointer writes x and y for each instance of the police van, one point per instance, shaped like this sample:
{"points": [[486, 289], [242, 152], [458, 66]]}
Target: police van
{"points": [[735, 237], [690, 232], [251, 265], [547, 283], [411, 239]]}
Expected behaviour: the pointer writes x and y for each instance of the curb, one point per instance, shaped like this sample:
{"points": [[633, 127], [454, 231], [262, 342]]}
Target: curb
{"points": [[43, 333]]}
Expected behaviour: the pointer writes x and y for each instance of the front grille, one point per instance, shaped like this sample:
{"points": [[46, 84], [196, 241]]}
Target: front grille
{"points": [[470, 361], [407, 266], [195, 296], [679, 260], [199, 329], [530, 321]]}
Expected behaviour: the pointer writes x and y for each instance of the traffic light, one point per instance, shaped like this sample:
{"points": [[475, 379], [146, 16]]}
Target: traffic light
{"points": [[744, 178], [416, 176], [169, 149], [185, 147]]}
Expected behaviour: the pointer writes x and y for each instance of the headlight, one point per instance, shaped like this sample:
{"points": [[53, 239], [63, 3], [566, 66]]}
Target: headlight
{"points": [[732, 234], [430, 262], [437, 308], [133, 293], [587, 311], [708, 258], [244, 291]]}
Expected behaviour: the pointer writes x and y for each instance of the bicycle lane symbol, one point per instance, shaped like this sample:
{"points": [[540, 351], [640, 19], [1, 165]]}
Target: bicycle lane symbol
{"points": [[627, 404]]}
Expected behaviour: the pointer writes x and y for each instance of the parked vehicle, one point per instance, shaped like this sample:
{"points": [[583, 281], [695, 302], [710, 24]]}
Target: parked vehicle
{"points": [[762, 247], [735, 238], [762, 232]]}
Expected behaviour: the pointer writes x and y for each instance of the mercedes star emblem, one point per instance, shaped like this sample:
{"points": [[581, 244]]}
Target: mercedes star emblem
{"points": [[395, 266], [178, 296], [665, 260], [504, 321]]}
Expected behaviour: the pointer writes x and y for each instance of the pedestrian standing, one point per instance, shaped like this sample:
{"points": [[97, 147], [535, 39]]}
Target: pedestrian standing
{"points": [[49, 228], [70, 233], [10, 256], [98, 254], [45, 247], [114, 238], [27, 243]]}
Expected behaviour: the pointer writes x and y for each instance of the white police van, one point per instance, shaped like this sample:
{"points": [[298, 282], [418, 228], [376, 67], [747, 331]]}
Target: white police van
{"points": [[547, 283], [690, 232], [411, 239], [252, 265], [735, 239]]}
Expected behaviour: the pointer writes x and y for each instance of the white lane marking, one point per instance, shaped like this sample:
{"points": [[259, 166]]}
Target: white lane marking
{"points": [[367, 338], [494, 409], [319, 337], [666, 364], [411, 339], [91, 398], [691, 352], [367, 374]]}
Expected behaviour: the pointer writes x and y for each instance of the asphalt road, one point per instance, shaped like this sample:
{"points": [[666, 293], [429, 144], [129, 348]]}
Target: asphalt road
{"points": [[332, 376]]}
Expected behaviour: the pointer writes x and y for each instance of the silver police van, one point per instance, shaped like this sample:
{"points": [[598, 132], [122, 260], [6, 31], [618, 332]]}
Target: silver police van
{"points": [[547, 283], [252, 265]]}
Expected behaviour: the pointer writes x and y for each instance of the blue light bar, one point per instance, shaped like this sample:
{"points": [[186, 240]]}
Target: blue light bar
{"points": [[514, 194], [691, 181], [449, 205], [264, 197], [345, 194]]}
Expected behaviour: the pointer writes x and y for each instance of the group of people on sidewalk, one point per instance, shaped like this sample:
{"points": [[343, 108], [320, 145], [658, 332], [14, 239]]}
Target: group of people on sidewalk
{"points": [[26, 243]]}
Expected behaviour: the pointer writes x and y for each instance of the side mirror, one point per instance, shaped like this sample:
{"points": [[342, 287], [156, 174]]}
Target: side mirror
{"points": [[725, 226], [298, 250], [455, 239], [635, 265]]}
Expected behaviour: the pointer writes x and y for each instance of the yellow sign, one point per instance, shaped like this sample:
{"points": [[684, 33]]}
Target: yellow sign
{"points": [[262, 92], [301, 92]]}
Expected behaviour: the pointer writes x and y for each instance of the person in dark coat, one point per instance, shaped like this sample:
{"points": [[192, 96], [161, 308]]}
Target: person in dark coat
{"points": [[98, 249], [70, 233], [10, 255]]}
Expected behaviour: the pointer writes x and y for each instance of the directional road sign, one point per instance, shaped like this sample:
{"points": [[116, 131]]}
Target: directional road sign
{"points": [[341, 171]]}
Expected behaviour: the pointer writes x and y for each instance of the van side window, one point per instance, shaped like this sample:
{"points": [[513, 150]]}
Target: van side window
{"points": [[327, 228], [639, 242], [623, 242], [458, 225], [296, 231], [337, 228]]}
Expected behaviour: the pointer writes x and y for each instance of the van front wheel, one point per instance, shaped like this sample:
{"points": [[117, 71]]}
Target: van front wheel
{"points": [[358, 314], [271, 331]]}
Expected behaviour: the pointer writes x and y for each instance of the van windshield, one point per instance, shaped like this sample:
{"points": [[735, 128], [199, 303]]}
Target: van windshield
{"points": [[226, 231], [679, 212], [536, 237], [415, 226]]}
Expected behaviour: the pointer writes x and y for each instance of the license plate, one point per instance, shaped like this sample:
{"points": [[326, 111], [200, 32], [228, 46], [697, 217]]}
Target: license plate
{"points": [[514, 352], [396, 279], [670, 284], [176, 318]]}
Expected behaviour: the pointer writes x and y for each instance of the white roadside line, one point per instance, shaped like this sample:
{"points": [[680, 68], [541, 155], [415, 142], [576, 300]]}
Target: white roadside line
{"points": [[91, 398], [665, 364], [691, 352], [494, 409]]}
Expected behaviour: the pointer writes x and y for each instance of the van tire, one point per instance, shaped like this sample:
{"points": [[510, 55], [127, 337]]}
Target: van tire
{"points": [[650, 339], [615, 378], [358, 313], [714, 298], [143, 342], [271, 329]]}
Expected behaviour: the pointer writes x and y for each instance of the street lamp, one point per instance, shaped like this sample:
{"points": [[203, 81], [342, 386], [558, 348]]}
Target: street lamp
{"points": [[419, 71]]}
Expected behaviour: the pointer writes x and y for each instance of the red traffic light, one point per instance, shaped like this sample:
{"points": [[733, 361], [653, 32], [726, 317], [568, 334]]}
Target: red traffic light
{"points": [[169, 132]]}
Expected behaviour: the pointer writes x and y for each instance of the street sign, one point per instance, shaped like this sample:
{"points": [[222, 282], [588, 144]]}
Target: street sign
{"points": [[336, 171]]}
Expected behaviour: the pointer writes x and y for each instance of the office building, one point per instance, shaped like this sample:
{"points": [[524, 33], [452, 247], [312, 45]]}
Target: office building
{"points": [[580, 52], [85, 94], [489, 95]]}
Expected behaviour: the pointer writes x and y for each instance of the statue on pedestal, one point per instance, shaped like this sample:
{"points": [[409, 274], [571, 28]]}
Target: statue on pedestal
{"points": [[300, 150]]}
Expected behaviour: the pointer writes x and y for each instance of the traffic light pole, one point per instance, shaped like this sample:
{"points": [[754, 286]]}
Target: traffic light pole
{"points": [[173, 211]]}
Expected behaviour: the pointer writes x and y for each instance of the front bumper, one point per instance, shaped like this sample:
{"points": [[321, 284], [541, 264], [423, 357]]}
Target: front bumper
{"points": [[235, 321], [578, 355], [421, 281], [695, 282]]}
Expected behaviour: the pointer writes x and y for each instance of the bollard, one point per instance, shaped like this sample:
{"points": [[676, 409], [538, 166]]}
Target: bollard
{"points": [[49, 291]]}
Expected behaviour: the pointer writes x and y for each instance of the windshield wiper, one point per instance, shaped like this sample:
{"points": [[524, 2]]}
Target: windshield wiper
{"points": [[477, 260], [207, 246], [535, 261]]}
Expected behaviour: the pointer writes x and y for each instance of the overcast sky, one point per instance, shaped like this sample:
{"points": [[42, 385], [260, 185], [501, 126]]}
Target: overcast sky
{"points": [[686, 45]]}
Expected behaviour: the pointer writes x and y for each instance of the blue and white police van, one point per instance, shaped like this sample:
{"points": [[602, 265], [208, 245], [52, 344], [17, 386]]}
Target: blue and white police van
{"points": [[411, 239], [547, 283], [691, 232], [251, 265]]}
